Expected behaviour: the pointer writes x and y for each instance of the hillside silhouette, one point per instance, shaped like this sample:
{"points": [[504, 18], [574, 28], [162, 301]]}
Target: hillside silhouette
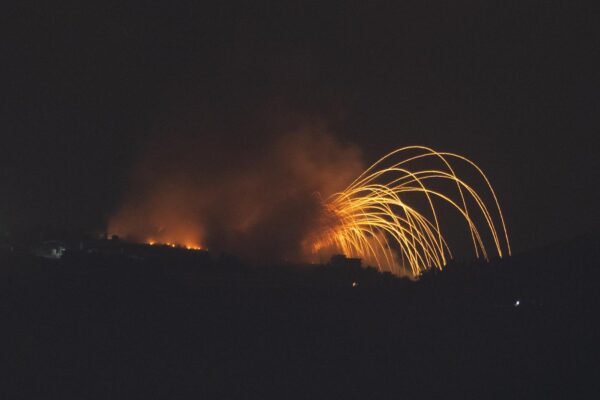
{"points": [[168, 323]]}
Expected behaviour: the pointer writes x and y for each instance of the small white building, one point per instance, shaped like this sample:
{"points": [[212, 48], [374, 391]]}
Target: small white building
{"points": [[52, 249]]}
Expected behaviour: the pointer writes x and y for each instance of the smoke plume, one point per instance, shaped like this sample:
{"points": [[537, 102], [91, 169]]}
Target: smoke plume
{"points": [[260, 203]]}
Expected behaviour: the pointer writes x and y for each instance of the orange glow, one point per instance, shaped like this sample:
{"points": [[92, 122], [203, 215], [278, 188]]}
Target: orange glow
{"points": [[308, 197], [187, 246]]}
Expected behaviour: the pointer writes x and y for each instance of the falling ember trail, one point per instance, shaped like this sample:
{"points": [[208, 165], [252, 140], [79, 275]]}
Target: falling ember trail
{"points": [[372, 220]]}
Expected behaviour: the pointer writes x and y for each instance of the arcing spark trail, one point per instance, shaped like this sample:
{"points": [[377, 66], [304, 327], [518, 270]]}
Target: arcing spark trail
{"points": [[372, 220]]}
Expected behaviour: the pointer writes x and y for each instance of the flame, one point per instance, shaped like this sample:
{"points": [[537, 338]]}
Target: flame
{"points": [[287, 204], [186, 245], [257, 205]]}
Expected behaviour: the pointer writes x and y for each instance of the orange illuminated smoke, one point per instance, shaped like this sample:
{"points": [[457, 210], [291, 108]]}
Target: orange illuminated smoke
{"points": [[373, 218], [394, 216]]}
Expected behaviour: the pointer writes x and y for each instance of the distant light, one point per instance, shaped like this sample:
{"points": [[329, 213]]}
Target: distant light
{"points": [[354, 284], [517, 303]]}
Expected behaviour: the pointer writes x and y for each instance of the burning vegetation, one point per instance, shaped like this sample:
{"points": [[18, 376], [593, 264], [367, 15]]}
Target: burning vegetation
{"points": [[305, 197], [260, 204]]}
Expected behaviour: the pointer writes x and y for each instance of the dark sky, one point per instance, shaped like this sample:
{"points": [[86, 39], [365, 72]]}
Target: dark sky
{"points": [[515, 87]]}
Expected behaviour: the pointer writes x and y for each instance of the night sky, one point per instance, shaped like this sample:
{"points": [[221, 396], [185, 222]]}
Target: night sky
{"points": [[515, 87]]}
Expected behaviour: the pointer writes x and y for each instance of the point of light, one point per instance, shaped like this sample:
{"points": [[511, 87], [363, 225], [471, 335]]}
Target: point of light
{"points": [[188, 246]]}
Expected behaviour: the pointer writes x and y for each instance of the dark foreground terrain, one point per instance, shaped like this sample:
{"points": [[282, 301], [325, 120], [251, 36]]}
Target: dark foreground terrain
{"points": [[170, 327]]}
